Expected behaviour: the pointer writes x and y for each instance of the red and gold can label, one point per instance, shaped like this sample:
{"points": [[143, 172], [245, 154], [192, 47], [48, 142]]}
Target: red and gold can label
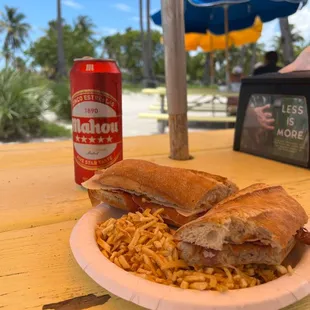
{"points": [[97, 132]]}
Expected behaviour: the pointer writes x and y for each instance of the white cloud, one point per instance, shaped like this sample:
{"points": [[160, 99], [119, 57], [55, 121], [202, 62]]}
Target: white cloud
{"points": [[72, 4], [301, 21], [158, 28], [194, 53], [36, 32], [270, 31], [37, 29], [153, 11], [135, 18], [107, 31], [122, 7]]}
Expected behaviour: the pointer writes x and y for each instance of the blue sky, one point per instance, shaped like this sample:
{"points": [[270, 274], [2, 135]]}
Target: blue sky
{"points": [[111, 16]]}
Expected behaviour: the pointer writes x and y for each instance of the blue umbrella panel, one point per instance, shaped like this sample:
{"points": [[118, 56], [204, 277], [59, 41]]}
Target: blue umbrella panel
{"points": [[203, 15]]}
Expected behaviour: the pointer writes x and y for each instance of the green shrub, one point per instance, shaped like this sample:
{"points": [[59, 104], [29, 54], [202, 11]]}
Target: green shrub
{"points": [[60, 101], [51, 130], [23, 98]]}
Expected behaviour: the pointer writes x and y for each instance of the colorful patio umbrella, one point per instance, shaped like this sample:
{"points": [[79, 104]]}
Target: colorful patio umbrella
{"points": [[223, 16], [210, 42], [203, 15]]}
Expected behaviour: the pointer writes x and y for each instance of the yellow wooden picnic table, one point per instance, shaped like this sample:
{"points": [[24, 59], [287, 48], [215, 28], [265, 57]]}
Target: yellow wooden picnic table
{"points": [[154, 91], [40, 204], [161, 91]]}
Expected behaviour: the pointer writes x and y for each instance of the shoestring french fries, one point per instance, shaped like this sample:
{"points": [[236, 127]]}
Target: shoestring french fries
{"points": [[141, 243]]}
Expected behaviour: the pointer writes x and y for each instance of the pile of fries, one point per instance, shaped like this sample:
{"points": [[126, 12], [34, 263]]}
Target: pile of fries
{"points": [[141, 243]]}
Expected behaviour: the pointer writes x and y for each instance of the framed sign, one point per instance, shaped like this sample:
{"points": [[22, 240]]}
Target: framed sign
{"points": [[273, 118]]}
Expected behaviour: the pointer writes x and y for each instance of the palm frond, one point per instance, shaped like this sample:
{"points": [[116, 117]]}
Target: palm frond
{"points": [[12, 23]]}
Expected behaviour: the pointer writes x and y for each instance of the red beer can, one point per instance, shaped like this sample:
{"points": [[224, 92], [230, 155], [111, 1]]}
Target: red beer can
{"points": [[96, 101]]}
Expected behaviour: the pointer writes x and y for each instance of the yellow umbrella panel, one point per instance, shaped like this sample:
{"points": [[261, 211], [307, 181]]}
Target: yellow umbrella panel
{"points": [[209, 42]]}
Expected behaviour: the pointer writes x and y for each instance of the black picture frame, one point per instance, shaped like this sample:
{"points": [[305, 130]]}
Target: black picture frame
{"points": [[288, 84]]}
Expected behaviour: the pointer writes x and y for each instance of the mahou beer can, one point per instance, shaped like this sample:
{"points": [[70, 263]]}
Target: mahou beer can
{"points": [[96, 101]]}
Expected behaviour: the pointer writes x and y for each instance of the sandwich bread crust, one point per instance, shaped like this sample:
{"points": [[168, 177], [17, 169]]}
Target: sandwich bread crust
{"points": [[172, 187], [257, 214]]}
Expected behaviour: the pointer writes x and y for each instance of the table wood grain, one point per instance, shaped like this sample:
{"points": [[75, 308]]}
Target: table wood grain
{"points": [[40, 204]]}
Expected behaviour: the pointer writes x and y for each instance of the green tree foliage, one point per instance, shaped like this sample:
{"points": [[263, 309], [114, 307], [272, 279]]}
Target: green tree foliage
{"points": [[237, 58], [25, 93], [196, 66], [22, 97], [79, 41], [197, 69], [126, 49], [298, 44], [20, 64], [15, 30], [61, 62], [84, 27], [60, 101]]}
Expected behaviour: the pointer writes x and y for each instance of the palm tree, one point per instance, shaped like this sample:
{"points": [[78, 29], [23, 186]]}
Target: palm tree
{"points": [[208, 77], [84, 26], [287, 41], [20, 64], [149, 44], [253, 56], [16, 31], [144, 52], [289, 38], [242, 55], [61, 67]]}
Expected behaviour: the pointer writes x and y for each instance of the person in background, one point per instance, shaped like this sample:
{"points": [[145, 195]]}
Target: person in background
{"points": [[235, 79], [271, 60]]}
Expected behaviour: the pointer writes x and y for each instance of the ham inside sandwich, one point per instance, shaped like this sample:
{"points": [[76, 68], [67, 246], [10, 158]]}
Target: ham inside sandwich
{"points": [[260, 224], [134, 185]]}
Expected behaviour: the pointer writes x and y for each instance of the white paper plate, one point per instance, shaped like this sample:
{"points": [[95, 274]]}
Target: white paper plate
{"points": [[273, 295]]}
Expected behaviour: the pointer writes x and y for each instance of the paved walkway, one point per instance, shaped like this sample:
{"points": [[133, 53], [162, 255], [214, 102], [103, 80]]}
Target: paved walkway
{"points": [[133, 104]]}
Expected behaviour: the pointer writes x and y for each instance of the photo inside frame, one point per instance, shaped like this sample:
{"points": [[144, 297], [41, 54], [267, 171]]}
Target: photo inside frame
{"points": [[276, 127]]}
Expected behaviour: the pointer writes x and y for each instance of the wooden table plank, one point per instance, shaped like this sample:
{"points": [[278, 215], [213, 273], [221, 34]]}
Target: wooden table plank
{"points": [[38, 154], [37, 269], [37, 185], [46, 193], [37, 189]]}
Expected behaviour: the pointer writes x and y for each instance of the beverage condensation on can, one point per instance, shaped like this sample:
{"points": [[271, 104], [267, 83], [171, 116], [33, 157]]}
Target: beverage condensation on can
{"points": [[96, 102]]}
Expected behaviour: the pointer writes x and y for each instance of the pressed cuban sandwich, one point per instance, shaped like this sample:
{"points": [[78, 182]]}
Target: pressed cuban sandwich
{"points": [[134, 185], [259, 224]]}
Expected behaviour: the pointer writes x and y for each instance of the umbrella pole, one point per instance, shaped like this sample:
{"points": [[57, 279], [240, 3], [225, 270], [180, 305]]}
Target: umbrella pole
{"points": [[175, 72], [226, 44], [211, 68], [211, 59]]}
